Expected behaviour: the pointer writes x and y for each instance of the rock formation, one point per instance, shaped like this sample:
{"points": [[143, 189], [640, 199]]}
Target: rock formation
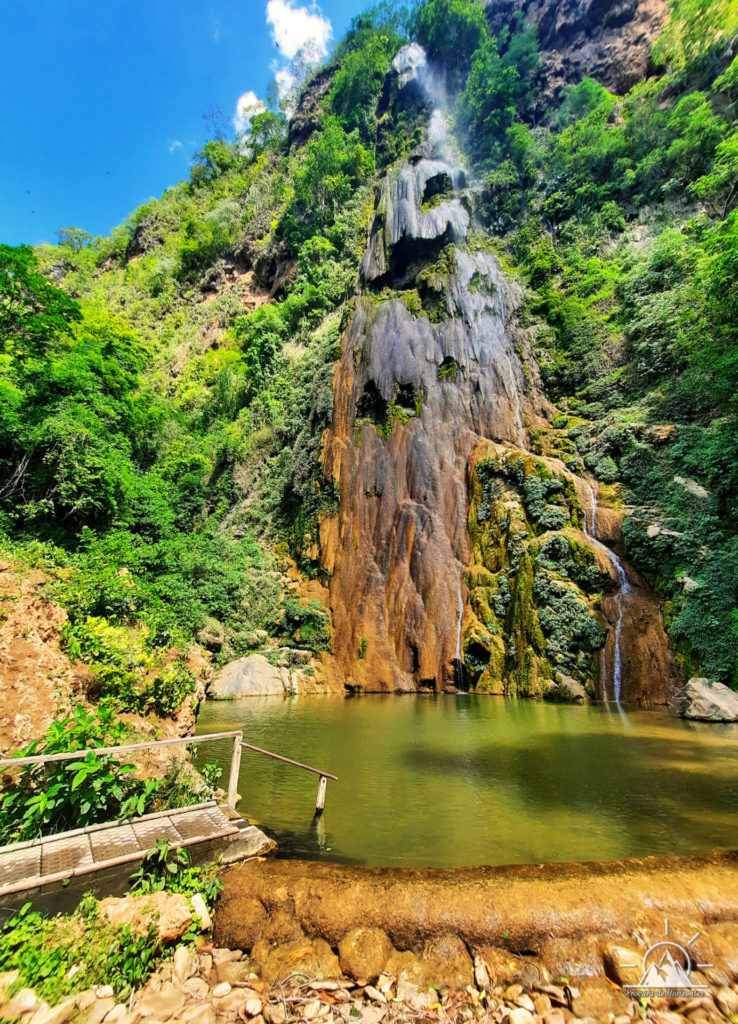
{"points": [[609, 40], [707, 702], [435, 370]]}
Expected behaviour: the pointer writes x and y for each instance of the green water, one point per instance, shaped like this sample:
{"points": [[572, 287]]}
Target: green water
{"points": [[462, 780]]}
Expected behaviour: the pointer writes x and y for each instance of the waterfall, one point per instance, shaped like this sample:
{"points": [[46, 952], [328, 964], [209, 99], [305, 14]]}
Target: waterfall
{"points": [[458, 663], [590, 530], [458, 628]]}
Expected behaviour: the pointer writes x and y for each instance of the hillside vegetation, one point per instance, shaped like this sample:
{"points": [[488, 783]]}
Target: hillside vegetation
{"points": [[164, 391]]}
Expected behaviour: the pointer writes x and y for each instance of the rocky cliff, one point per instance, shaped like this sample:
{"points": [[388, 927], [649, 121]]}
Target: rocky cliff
{"points": [[609, 40], [448, 556]]}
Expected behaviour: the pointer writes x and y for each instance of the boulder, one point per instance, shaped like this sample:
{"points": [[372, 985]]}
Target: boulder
{"points": [[250, 677], [169, 914], [161, 1004], [707, 702], [363, 953], [311, 957], [566, 690], [251, 842]]}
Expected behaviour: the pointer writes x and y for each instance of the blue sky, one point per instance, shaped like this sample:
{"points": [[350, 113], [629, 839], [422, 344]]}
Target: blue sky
{"points": [[102, 100]]}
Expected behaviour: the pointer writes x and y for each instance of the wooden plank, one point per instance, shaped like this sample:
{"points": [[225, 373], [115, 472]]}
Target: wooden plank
{"points": [[286, 760], [15, 867], [152, 816], [147, 832], [200, 824], [65, 855], [114, 842], [37, 882]]}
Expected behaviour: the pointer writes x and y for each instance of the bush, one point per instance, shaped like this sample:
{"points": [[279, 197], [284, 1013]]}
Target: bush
{"points": [[64, 795]]}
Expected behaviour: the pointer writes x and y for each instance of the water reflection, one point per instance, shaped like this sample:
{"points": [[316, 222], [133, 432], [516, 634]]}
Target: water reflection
{"points": [[443, 781]]}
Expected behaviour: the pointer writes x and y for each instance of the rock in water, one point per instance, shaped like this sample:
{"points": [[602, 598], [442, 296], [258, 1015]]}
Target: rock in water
{"points": [[250, 677], [707, 702]]}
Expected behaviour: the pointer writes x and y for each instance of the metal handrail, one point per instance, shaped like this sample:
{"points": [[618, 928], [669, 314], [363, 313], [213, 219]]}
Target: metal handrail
{"points": [[69, 755], [238, 745]]}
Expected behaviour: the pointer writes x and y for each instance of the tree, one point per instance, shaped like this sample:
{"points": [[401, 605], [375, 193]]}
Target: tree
{"points": [[33, 313], [451, 32], [335, 164], [719, 189], [498, 89], [74, 238]]}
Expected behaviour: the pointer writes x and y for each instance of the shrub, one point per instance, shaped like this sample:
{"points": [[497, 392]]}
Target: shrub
{"points": [[63, 795]]}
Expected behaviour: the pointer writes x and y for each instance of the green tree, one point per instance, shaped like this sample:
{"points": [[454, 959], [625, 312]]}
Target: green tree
{"points": [[451, 32], [33, 313]]}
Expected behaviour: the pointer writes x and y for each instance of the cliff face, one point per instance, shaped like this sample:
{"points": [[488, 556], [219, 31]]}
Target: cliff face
{"points": [[609, 40], [442, 563]]}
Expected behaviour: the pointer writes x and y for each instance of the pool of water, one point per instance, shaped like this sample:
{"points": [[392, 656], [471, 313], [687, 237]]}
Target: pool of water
{"points": [[461, 780]]}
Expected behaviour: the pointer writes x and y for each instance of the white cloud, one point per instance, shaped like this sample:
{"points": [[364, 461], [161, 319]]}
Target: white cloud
{"points": [[175, 146], [248, 106], [295, 27]]}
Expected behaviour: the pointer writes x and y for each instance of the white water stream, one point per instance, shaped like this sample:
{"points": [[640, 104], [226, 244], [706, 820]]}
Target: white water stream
{"points": [[458, 628]]}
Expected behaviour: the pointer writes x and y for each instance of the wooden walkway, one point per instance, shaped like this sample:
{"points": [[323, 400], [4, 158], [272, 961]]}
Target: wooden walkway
{"points": [[52, 859], [60, 858]]}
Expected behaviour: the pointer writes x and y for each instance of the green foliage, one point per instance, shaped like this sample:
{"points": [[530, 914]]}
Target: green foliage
{"points": [[169, 868], [128, 671], [33, 313], [63, 795], [498, 92], [335, 164], [306, 624], [693, 26], [359, 79], [451, 31], [44, 951], [719, 189]]}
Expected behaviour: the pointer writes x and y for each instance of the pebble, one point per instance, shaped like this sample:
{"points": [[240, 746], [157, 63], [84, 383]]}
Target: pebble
{"points": [[117, 1015], [22, 1002], [727, 1001], [312, 1009], [196, 988], [526, 1002], [221, 989], [557, 1017], [54, 1014], [104, 992], [99, 1010], [519, 1015], [162, 1004], [184, 964], [222, 956], [203, 1014], [198, 905], [541, 1004]]}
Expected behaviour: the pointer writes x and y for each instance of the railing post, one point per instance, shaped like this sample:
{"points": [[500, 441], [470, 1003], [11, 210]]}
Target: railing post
{"points": [[320, 802], [233, 796]]}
